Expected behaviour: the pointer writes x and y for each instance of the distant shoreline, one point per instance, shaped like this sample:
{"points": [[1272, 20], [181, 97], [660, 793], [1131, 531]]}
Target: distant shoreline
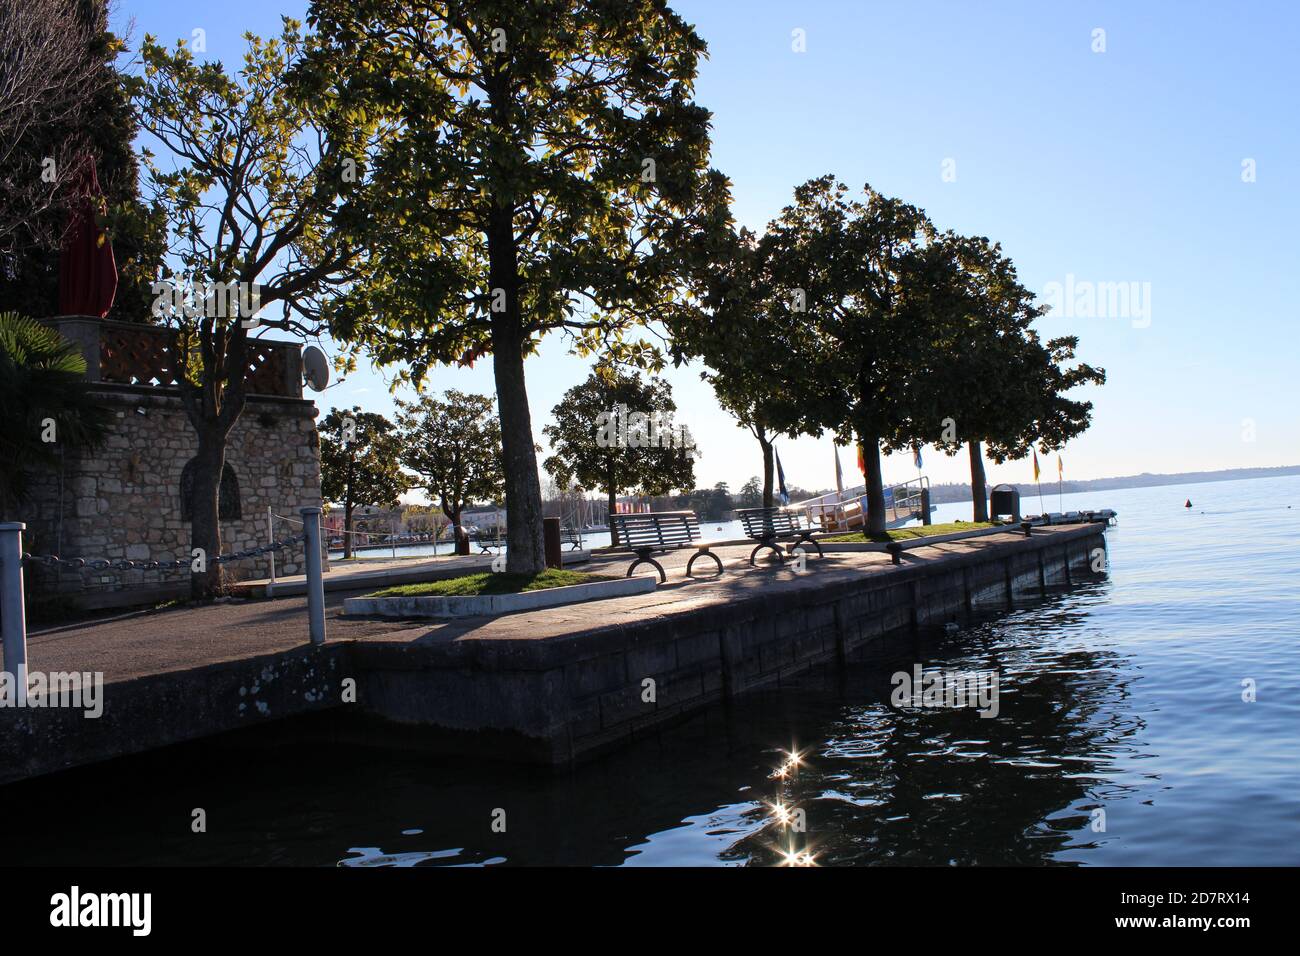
{"points": [[946, 493]]}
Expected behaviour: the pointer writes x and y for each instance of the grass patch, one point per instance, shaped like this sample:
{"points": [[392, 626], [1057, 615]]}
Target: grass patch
{"points": [[907, 534], [488, 582]]}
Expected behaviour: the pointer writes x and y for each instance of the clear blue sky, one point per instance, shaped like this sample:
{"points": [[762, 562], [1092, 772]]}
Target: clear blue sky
{"points": [[1124, 166]]}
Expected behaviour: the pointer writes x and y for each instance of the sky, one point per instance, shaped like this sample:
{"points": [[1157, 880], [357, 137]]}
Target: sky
{"points": [[1140, 163]]}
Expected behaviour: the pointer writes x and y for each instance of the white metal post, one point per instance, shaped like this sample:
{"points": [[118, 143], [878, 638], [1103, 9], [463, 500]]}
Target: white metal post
{"points": [[13, 613], [270, 539], [315, 579]]}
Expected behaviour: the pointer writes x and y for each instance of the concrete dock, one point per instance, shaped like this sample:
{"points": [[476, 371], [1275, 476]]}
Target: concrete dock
{"points": [[549, 686]]}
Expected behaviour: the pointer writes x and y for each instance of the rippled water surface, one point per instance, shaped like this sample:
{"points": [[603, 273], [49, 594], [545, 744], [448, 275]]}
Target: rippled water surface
{"points": [[1122, 738]]}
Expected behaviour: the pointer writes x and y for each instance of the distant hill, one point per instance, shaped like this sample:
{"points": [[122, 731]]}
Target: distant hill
{"points": [[940, 494]]}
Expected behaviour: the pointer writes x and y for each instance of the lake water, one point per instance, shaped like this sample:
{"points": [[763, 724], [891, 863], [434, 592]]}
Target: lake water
{"points": [[1122, 738]]}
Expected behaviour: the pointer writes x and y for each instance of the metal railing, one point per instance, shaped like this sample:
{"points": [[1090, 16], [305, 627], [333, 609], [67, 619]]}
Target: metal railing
{"points": [[846, 510]]}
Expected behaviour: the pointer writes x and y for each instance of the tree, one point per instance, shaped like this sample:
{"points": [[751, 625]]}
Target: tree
{"points": [[846, 282], [752, 493], [252, 197], [546, 161], [64, 60], [48, 85], [1049, 417], [992, 379], [615, 432], [753, 363], [360, 463], [454, 446], [716, 501], [45, 405]]}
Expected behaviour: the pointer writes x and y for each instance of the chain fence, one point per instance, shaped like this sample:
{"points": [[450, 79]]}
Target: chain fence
{"points": [[54, 562]]}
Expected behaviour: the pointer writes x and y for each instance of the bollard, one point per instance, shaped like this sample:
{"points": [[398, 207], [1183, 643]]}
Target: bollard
{"points": [[315, 580], [270, 537], [551, 542], [1026, 527], [13, 613], [895, 552]]}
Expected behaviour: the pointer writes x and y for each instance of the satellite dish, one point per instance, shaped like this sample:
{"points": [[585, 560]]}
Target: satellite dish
{"points": [[315, 368]]}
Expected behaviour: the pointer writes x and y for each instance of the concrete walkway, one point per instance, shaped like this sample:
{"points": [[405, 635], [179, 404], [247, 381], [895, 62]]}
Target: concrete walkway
{"points": [[186, 638]]}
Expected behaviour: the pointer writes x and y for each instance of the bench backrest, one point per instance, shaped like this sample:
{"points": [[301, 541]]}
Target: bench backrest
{"points": [[760, 522], [656, 529]]}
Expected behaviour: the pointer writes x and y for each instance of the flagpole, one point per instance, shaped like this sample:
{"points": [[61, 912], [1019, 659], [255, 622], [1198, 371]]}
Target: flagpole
{"points": [[1039, 482]]}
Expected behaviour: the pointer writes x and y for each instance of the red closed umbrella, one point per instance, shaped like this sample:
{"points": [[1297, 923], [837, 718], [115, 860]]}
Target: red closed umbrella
{"points": [[87, 270]]}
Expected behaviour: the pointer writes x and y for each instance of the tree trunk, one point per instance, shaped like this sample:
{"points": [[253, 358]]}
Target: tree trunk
{"points": [[205, 518], [213, 406], [768, 471], [875, 523], [525, 551], [347, 530], [978, 483], [459, 533]]}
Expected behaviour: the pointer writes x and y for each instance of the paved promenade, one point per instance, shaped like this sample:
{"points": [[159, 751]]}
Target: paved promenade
{"points": [[185, 638]]}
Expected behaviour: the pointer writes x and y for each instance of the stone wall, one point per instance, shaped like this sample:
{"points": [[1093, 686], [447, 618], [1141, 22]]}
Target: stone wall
{"points": [[122, 501], [554, 701]]}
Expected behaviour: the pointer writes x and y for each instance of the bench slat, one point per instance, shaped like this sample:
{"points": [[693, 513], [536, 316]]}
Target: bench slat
{"points": [[656, 529], [765, 522]]}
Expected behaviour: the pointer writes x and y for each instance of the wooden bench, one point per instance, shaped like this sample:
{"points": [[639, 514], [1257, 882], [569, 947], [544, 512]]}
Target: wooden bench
{"points": [[660, 531], [767, 525]]}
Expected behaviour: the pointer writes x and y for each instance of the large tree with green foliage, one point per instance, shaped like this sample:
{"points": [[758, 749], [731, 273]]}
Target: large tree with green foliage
{"points": [[360, 463], [849, 282], [46, 409], [546, 160], [615, 432], [253, 188], [754, 364], [454, 446], [993, 381]]}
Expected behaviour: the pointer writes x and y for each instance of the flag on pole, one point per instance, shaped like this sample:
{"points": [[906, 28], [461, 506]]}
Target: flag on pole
{"points": [[780, 480], [916, 456], [862, 460], [839, 473], [1060, 482], [1036, 471]]}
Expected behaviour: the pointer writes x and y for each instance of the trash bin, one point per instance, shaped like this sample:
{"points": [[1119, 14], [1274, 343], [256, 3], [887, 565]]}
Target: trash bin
{"points": [[1004, 500]]}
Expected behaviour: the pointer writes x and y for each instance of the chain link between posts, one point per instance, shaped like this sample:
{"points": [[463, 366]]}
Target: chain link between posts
{"points": [[53, 561]]}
